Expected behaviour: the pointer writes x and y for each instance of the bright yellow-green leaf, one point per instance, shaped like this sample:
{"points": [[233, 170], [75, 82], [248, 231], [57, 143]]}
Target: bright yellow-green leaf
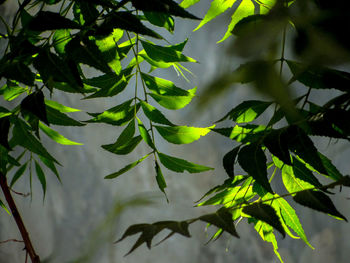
{"points": [[217, 7], [59, 107], [182, 134], [245, 8], [188, 3], [54, 135]]}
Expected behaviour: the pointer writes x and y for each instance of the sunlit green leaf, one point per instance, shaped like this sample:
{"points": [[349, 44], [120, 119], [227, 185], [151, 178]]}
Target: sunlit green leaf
{"points": [[144, 134], [246, 133], [179, 165], [188, 3], [125, 148], [59, 107], [4, 207], [56, 116], [182, 134], [60, 39], [154, 114], [57, 137], [126, 168]]}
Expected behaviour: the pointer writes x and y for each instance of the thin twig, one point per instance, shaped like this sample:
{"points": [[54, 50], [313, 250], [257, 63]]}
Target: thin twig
{"points": [[11, 240]]}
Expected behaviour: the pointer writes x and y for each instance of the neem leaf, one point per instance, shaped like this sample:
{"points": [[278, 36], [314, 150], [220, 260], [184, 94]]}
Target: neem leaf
{"points": [[28, 141], [265, 213], [57, 137], [18, 174], [35, 104], [182, 134], [318, 77], [188, 3], [300, 144], [3, 205], [246, 133], [124, 20], [247, 111], [144, 134], [46, 20], [217, 7], [229, 161], [56, 116], [59, 107], [51, 165], [253, 160], [318, 201], [17, 70], [221, 219], [179, 165], [126, 168], [60, 40], [118, 115], [277, 143], [164, 54], [125, 148], [161, 20], [154, 114], [245, 8], [173, 102], [41, 176], [163, 6], [160, 179], [4, 131], [332, 171]]}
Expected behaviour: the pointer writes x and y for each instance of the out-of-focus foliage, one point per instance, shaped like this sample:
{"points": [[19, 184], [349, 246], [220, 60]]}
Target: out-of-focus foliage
{"points": [[46, 53]]}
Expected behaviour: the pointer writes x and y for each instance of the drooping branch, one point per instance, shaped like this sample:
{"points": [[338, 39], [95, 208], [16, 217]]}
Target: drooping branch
{"points": [[16, 215]]}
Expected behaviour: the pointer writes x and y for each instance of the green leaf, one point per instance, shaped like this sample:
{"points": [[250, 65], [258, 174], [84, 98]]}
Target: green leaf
{"points": [[127, 21], [222, 218], [60, 40], [27, 140], [46, 20], [247, 111], [4, 207], [300, 144], [217, 7], [253, 160], [166, 93], [34, 103], [229, 161], [161, 20], [56, 116], [245, 8], [179, 165], [126, 168], [277, 143], [41, 176], [118, 115], [54, 135], [246, 133], [16, 70], [18, 174], [57, 106], [154, 115], [4, 131], [169, 7], [318, 77], [144, 134], [182, 134], [125, 148], [188, 3], [160, 179], [11, 90], [332, 171], [127, 134], [318, 201], [164, 54], [265, 213], [51, 165]]}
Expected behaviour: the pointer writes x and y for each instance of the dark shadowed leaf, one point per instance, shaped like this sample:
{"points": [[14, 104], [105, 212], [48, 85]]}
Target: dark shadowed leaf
{"points": [[127, 21], [18, 174], [277, 143], [229, 161], [16, 70], [35, 104], [161, 20], [300, 144], [154, 114], [317, 201], [41, 176], [144, 134], [332, 171], [4, 131], [57, 137], [51, 166], [265, 213], [253, 160], [179, 165], [57, 117], [126, 168], [160, 179], [222, 218], [46, 20], [169, 7], [125, 148]]}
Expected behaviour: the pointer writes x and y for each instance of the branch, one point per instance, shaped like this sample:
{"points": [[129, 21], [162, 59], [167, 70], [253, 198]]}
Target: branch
{"points": [[22, 229]]}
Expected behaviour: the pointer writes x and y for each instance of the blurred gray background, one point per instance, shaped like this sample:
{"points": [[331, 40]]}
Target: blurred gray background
{"points": [[81, 217]]}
